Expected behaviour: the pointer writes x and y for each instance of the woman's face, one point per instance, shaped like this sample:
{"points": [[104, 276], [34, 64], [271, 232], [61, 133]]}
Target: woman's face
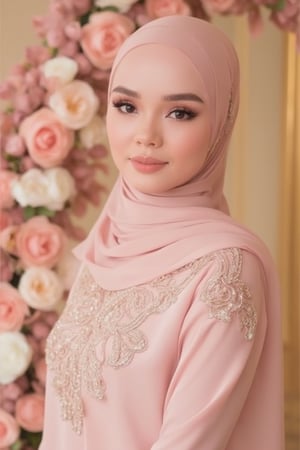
{"points": [[158, 123]]}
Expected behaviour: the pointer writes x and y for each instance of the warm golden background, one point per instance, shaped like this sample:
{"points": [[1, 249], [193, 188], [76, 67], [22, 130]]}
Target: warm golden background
{"points": [[263, 182]]}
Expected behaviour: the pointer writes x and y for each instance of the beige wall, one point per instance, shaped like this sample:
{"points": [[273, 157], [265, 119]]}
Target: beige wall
{"points": [[252, 183], [253, 178]]}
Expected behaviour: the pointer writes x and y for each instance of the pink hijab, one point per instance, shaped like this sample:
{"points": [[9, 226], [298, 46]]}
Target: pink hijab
{"points": [[139, 237]]}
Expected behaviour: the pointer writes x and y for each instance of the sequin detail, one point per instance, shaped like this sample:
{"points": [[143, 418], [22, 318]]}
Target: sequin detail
{"points": [[226, 294], [102, 328]]}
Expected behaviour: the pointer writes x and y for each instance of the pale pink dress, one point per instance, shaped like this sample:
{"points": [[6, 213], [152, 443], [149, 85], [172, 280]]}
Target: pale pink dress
{"points": [[182, 363]]}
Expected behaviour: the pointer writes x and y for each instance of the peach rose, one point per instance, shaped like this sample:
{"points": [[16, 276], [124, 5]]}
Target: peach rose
{"points": [[12, 308], [40, 242], [9, 429], [161, 8], [6, 179], [103, 35], [30, 412], [48, 141]]}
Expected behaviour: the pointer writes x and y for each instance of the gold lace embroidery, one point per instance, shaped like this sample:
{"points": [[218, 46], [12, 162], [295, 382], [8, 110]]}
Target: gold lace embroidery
{"points": [[101, 328]]}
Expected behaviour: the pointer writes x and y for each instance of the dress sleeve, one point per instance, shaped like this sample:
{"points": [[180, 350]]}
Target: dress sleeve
{"points": [[219, 349]]}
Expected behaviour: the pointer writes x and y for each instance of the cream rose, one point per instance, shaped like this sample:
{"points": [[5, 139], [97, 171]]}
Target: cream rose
{"points": [[40, 242], [31, 189], [30, 412], [15, 356], [41, 288], [61, 187], [93, 133], [103, 36], [75, 104], [9, 429], [161, 8], [50, 188], [48, 141], [13, 309], [62, 68], [122, 5], [6, 181]]}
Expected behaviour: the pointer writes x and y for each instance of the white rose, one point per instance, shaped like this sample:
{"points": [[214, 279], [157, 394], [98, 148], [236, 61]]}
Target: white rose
{"points": [[93, 133], [15, 356], [61, 67], [75, 104], [122, 5], [50, 188], [61, 187], [31, 189], [41, 288]]}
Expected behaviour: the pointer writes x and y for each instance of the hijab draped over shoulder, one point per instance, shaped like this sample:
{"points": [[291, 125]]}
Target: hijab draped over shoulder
{"points": [[138, 236]]}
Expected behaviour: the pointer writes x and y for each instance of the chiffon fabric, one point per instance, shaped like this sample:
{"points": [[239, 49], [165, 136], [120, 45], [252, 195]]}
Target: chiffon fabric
{"points": [[199, 383]]}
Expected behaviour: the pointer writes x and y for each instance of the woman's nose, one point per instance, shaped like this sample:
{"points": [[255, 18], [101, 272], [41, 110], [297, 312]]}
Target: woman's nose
{"points": [[149, 136]]}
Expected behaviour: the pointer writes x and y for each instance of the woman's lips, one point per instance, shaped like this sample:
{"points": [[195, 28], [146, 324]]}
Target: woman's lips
{"points": [[146, 164]]}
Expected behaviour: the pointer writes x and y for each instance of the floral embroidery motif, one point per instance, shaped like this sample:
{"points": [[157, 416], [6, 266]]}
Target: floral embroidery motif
{"points": [[226, 294], [102, 328]]}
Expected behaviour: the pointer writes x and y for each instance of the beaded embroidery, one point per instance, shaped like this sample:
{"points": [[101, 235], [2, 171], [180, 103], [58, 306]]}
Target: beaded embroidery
{"points": [[101, 328]]}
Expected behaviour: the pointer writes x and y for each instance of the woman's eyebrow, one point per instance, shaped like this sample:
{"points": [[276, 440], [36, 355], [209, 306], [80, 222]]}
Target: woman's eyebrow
{"points": [[169, 97], [183, 96], [126, 91]]}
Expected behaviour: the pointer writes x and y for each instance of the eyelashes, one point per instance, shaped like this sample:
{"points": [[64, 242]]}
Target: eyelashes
{"points": [[177, 113], [182, 114], [124, 106]]}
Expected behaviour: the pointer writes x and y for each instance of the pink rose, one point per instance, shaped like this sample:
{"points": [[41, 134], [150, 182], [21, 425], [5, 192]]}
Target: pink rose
{"points": [[161, 8], [41, 370], [30, 412], [11, 391], [8, 239], [5, 220], [48, 140], [7, 266], [6, 179], [9, 429], [14, 145], [12, 308], [40, 242], [103, 35]]}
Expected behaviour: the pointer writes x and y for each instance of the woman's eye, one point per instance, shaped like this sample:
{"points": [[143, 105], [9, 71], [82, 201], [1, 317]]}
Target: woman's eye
{"points": [[124, 107], [182, 114]]}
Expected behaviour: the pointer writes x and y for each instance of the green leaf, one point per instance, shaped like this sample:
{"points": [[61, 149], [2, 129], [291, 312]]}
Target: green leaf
{"points": [[13, 162], [110, 8], [29, 212], [278, 6], [33, 439], [43, 211], [84, 19], [17, 445]]}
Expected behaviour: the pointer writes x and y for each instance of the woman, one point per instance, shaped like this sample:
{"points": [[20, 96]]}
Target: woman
{"points": [[170, 339]]}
